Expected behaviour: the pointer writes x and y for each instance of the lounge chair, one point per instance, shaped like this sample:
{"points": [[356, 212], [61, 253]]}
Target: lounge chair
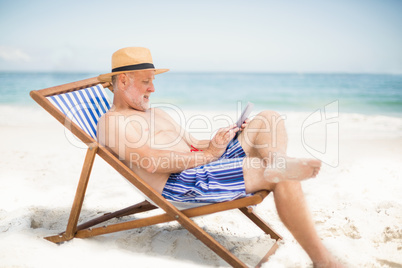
{"points": [[78, 106]]}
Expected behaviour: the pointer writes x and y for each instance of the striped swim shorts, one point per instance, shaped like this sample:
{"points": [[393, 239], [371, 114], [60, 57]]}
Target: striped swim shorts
{"points": [[218, 181]]}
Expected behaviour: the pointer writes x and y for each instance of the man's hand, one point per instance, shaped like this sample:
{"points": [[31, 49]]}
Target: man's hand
{"points": [[244, 125], [220, 141]]}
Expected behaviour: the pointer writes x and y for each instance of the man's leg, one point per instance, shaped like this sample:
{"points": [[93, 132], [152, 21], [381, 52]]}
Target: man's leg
{"points": [[265, 136], [292, 210], [294, 213]]}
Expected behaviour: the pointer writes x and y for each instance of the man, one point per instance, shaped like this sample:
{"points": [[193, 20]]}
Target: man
{"points": [[183, 168]]}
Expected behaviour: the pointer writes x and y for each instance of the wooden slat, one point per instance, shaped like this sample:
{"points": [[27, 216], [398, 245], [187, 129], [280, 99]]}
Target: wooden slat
{"points": [[81, 189], [191, 212], [69, 87], [146, 206], [141, 207]]}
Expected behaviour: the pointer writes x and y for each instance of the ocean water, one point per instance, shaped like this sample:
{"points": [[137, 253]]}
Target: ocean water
{"points": [[355, 93]]}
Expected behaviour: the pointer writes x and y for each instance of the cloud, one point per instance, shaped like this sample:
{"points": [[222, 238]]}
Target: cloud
{"points": [[11, 54]]}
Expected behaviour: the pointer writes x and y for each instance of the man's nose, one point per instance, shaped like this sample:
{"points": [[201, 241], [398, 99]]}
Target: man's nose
{"points": [[151, 88]]}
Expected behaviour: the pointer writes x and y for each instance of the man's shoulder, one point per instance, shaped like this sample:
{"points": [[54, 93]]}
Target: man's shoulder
{"points": [[159, 112], [121, 114], [110, 120]]}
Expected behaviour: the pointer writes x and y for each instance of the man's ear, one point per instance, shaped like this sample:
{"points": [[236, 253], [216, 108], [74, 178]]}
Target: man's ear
{"points": [[122, 81]]}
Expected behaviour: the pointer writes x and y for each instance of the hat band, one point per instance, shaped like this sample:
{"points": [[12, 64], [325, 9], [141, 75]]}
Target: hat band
{"points": [[134, 67]]}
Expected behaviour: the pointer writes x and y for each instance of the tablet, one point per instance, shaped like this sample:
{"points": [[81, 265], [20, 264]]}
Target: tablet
{"points": [[244, 115]]}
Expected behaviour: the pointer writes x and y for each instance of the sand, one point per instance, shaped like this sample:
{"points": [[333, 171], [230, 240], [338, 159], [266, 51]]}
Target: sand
{"points": [[355, 201]]}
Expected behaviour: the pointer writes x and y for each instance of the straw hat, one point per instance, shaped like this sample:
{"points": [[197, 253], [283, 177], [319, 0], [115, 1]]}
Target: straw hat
{"points": [[130, 59]]}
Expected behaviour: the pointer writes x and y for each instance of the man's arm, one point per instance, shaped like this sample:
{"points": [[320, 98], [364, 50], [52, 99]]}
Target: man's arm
{"points": [[142, 155], [190, 139], [132, 145], [167, 161]]}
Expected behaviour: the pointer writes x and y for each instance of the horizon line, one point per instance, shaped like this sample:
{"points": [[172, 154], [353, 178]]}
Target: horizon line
{"points": [[207, 72]]}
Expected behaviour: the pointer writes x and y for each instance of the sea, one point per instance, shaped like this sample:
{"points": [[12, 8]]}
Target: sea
{"points": [[369, 94]]}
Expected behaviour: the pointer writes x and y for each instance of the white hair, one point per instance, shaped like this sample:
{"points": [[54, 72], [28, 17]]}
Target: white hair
{"points": [[114, 82], [130, 76]]}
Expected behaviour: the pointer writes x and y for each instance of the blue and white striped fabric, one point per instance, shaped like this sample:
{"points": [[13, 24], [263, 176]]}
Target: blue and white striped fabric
{"points": [[84, 107], [218, 181]]}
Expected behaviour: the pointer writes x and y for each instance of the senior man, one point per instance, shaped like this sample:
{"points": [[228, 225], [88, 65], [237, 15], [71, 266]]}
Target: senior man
{"points": [[224, 168]]}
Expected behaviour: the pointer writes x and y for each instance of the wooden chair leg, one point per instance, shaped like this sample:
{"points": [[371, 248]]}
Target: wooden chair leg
{"points": [[210, 242], [266, 228], [79, 197], [223, 252], [260, 222], [269, 254]]}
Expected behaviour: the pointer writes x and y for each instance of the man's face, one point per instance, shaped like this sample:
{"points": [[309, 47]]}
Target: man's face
{"points": [[140, 88]]}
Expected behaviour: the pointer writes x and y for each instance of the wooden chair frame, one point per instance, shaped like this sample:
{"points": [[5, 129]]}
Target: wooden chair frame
{"points": [[171, 213]]}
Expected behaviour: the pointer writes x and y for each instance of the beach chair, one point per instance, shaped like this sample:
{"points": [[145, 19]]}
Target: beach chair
{"points": [[78, 106]]}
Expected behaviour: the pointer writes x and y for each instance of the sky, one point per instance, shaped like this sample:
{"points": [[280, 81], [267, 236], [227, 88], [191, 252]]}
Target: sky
{"points": [[352, 36]]}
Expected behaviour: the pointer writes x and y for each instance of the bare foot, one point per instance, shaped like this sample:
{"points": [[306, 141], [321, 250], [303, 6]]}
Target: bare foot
{"points": [[287, 168]]}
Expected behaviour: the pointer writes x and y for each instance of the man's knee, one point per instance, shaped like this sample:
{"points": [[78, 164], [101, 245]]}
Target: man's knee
{"points": [[288, 186], [269, 114], [269, 119]]}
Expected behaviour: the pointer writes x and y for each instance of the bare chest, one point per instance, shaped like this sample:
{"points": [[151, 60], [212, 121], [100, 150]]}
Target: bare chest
{"points": [[163, 134]]}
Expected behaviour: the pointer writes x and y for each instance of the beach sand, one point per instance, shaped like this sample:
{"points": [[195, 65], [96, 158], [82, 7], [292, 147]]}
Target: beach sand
{"points": [[355, 201]]}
